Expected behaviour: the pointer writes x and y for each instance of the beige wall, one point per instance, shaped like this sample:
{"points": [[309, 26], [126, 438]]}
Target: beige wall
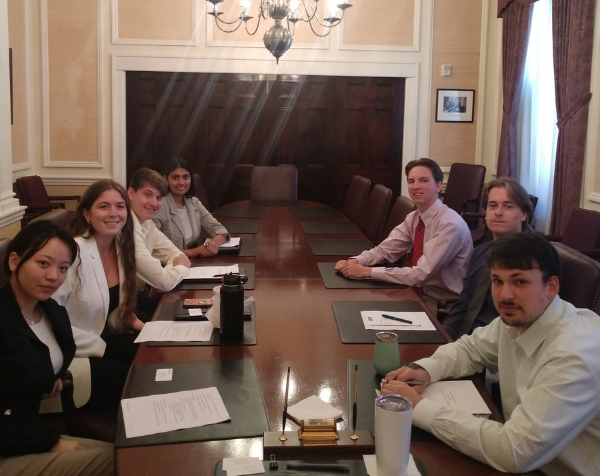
{"points": [[16, 38], [456, 41]]}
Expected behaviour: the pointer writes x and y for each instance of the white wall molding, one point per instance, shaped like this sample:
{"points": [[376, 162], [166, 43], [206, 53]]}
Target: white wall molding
{"points": [[74, 181], [193, 41], [46, 154], [481, 97]]}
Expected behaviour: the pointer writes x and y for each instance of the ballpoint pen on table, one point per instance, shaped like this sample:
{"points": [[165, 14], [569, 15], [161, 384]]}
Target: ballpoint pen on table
{"points": [[409, 382], [322, 466], [399, 319], [354, 436], [282, 437]]}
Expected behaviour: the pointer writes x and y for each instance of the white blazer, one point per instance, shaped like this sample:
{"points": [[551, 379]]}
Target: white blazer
{"points": [[85, 296]]}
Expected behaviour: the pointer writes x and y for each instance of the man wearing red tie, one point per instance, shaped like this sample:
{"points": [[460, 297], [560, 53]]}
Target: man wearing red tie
{"points": [[440, 239]]}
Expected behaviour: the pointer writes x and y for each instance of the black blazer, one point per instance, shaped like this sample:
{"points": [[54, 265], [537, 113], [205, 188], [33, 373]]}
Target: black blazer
{"points": [[26, 373]]}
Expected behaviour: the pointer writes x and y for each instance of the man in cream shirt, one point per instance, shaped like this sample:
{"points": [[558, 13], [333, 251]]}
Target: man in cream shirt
{"points": [[546, 353], [152, 248]]}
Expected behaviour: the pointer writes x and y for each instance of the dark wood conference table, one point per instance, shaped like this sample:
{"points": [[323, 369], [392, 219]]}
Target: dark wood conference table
{"points": [[295, 327]]}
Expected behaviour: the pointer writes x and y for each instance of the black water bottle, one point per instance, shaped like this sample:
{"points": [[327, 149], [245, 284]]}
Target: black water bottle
{"points": [[232, 307]]}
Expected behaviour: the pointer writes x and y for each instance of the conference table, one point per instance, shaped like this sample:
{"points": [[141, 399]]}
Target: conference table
{"points": [[296, 328]]}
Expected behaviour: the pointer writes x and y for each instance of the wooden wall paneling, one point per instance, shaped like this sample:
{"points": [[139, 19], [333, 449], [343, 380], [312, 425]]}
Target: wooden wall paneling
{"points": [[330, 128]]}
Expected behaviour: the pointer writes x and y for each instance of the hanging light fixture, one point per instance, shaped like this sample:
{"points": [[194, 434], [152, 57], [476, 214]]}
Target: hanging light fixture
{"points": [[278, 38]]}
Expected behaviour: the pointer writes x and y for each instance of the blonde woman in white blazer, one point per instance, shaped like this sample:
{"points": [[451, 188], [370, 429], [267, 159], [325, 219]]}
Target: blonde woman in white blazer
{"points": [[100, 294], [182, 217]]}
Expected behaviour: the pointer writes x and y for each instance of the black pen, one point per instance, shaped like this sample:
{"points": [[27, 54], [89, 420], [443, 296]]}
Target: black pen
{"points": [[282, 437], [221, 275], [409, 382], [399, 319]]}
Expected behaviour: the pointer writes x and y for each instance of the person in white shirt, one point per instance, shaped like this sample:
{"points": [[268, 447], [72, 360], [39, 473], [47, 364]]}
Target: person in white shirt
{"points": [[159, 262], [546, 353]]}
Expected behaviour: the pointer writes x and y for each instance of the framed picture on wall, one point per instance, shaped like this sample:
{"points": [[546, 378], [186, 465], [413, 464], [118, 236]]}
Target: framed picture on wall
{"points": [[454, 105]]}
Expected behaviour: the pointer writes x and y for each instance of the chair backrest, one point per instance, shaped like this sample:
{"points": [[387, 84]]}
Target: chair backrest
{"points": [[60, 216], [580, 281], [4, 242], [465, 182], [583, 230], [34, 190], [356, 198], [534, 201], [201, 192], [402, 207], [375, 213], [274, 183]]}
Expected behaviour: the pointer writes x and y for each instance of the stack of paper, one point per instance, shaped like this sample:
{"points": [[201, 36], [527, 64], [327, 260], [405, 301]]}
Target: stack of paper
{"points": [[241, 466], [457, 395], [171, 331], [172, 411], [232, 243], [211, 273], [409, 321]]}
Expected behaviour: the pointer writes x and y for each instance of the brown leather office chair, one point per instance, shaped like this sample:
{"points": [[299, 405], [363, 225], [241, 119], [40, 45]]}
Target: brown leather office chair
{"points": [[463, 189], [274, 183], [580, 281], [4, 242], [200, 191], [402, 207], [32, 194], [356, 198], [375, 213], [582, 233], [60, 216]]}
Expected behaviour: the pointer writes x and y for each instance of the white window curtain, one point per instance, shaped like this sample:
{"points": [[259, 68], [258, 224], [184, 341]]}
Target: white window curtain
{"points": [[536, 124]]}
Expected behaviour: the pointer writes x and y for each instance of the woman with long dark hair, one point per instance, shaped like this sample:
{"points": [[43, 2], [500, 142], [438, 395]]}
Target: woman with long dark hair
{"points": [[182, 218], [36, 348]]}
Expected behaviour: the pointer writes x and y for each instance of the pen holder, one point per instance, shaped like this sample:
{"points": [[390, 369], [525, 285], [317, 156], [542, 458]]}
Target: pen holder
{"points": [[387, 355]]}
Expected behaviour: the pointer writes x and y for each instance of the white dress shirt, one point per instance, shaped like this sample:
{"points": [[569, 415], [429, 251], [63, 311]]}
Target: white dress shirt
{"points": [[446, 251], [152, 251], [550, 383]]}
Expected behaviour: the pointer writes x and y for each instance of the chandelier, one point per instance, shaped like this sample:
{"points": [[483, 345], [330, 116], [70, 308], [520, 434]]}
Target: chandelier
{"points": [[278, 38]]}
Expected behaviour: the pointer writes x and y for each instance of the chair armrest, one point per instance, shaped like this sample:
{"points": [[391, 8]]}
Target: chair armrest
{"points": [[43, 206], [552, 237], [444, 306], [593, 253], [477, 215]]}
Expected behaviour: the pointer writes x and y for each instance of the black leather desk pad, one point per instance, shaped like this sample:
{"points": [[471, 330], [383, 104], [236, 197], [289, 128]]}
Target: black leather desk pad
{"points": [[247, 269], [247, 248], [241, 226], [333, 280], [169, 310], [329, 228], [352, 329], [368, 381], [275, 203], [239, 212], [238, 386], [315, 212], [329, 247], [357, 467]]}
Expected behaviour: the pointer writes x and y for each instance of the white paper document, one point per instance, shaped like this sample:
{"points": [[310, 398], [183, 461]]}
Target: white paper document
{"points": [[458, 395], [171, 331], [172, 411], [242, 466], [419, 321], [232, 243], [211, 272]]}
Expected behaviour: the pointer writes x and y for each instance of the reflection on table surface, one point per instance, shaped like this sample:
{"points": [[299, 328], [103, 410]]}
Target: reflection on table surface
{"points": [[296, 328]]}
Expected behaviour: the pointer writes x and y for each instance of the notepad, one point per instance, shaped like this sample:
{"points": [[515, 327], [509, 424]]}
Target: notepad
{"points": [[171, 331]]}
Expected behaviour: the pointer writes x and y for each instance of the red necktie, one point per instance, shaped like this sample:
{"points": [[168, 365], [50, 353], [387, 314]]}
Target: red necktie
{"points": [[418, 247]]}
